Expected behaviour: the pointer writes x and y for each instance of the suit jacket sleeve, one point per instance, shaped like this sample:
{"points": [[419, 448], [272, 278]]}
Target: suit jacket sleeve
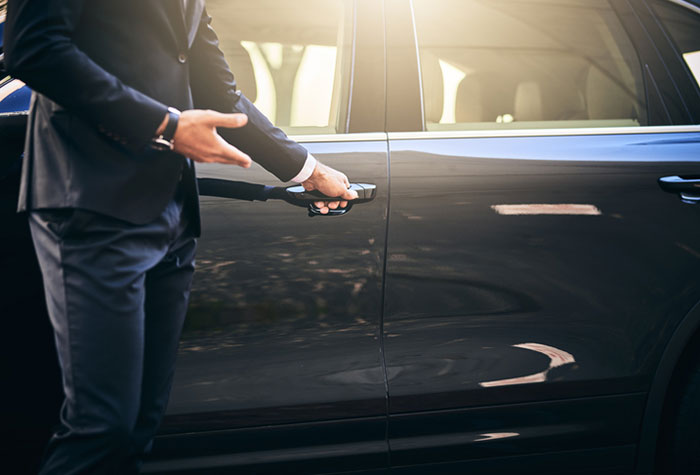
{"points": [[213, 87], [39, 51]]}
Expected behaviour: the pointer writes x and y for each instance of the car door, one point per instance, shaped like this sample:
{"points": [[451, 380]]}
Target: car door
{"points": [[279, 367], [536, 265]]}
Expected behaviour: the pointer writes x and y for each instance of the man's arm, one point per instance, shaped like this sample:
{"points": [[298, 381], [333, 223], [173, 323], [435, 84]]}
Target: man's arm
{"points": [[39, 50], [214, 87]]}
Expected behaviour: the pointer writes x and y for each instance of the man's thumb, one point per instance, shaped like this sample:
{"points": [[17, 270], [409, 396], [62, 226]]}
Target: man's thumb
{"points": [[230, 121], [350, 195]]}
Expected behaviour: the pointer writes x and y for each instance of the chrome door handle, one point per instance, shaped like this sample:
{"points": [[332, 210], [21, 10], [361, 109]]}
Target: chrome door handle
{"points": [[365, 193], [295, 195], [688, 188]]}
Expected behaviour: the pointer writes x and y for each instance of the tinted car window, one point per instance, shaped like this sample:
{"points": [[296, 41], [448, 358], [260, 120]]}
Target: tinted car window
{"points": [[290, 58], [526, 64], [684, 28]]}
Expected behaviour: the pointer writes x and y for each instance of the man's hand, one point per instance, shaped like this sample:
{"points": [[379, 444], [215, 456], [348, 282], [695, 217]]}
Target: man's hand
{"points": [[330, 182], [196, 137]]}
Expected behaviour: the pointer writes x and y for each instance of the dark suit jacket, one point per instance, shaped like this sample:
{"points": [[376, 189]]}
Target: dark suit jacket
{"points": [[104, 73]]}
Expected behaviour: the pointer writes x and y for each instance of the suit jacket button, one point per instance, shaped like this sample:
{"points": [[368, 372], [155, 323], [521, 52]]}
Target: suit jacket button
{"points": [[182, 57]]}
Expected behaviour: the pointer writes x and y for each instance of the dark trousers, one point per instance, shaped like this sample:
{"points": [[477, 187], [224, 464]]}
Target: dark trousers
{"points": [[117, 295]]}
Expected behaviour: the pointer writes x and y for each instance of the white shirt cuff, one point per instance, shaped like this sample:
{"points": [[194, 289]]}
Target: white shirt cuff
{"points": [[306, 170]]}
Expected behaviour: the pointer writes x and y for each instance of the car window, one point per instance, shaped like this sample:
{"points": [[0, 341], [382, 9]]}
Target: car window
{"points": [[490, 64], [290, 58], [684, 28]]}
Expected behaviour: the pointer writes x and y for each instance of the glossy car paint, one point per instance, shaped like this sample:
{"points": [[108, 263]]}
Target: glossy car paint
{"points": [[283, 324], [485, 307], [532, 266]]}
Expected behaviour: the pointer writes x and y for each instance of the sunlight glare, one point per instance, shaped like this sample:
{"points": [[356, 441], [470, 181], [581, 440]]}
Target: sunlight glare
{"points": [[451, 78], [693, 60], [267, 96]]}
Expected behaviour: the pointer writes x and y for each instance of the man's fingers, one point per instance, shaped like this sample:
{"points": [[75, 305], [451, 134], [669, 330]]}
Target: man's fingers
{"points": [[230, 121], [326, 206], [349, 195]]}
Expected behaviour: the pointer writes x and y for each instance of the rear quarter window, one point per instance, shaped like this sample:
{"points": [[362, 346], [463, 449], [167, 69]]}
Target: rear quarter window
{"points": [[513, 64], [683, 26]]}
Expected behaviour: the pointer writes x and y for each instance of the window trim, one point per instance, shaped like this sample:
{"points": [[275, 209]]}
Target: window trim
{"points": [[351, 137], [689, 6], [467, 134], [414, 30], [367, 106]]}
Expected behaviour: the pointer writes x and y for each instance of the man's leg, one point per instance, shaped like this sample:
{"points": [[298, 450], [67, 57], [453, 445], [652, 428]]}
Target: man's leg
{"points": [[167, 296], [94, 270]]}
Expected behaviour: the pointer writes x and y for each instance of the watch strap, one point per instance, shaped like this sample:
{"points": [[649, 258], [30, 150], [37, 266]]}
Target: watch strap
{"points": [[166, 141], [171, 126]]}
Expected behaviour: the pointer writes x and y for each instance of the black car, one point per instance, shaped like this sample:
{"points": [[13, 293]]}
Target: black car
{"points": [[520, 295]]}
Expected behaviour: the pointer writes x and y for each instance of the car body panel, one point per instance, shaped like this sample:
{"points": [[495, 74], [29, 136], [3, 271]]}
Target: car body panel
{"points": [[485, 305], [500, 432], [468, 279], [515, 272], [261, 336], [263, 346]]}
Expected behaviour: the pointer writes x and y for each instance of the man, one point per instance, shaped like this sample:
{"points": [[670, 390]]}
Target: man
{"points": [[113, 200]]}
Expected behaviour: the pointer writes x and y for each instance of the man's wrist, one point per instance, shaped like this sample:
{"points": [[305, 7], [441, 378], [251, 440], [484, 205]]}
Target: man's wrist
{"points": [[307, 170], [161, 127], [165, 140]]}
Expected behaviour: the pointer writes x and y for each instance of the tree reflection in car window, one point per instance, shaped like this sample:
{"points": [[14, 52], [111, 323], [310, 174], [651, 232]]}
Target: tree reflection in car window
{"points": [[292, 59], [526, 64]]}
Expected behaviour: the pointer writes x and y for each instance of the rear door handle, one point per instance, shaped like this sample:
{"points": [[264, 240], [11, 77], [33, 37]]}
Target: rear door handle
{"points": [[365, 193], [687, 188]]}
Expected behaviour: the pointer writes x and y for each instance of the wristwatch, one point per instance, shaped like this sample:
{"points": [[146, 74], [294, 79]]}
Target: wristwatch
{"points": [[166, 141]]}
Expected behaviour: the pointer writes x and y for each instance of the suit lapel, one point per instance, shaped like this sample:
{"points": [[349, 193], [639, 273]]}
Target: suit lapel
{"points": [[184, 24], [192, 17], [176, 21]]}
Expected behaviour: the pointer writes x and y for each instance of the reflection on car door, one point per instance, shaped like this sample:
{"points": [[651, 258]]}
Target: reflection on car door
{"points": [[532, 254], [280, 358]]}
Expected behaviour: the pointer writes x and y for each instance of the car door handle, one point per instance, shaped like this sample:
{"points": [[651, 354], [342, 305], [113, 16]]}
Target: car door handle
{"points": [[366, 192], [688, 188], [295, 195]]}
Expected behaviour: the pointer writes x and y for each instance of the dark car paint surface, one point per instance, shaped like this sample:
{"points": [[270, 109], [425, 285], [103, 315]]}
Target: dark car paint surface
{"points": [[482, 305], [456, 322]]}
